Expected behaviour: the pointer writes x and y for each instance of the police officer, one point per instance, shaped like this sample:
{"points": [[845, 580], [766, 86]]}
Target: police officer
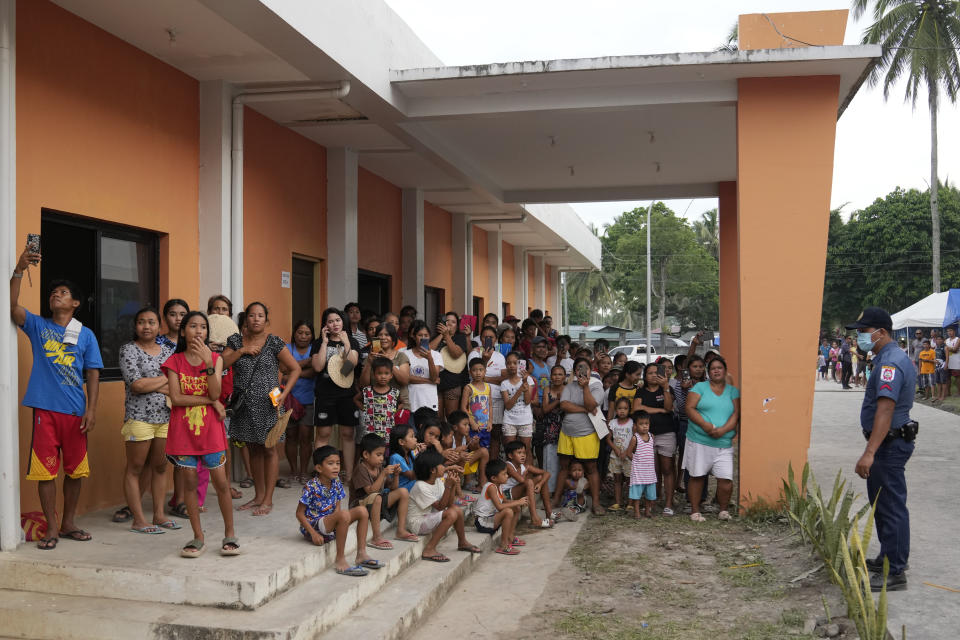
{"points": [[886, 424]]}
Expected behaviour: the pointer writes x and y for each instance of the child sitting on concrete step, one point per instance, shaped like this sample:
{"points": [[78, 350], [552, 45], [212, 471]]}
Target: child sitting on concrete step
{"points": [[495, 511], [323, 517], [377, 488]]}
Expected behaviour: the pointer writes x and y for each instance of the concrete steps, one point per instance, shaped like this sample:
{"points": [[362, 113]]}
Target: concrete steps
{"points": [[409, 598], [294, 595], [305, 611]]}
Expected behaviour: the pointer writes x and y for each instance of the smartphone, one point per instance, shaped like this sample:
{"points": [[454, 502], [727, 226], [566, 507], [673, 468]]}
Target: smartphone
{"points": [[583, 371], [33, 244], [661, 371], [375, 346], [685, 375], [488, 343], [425, 344]]}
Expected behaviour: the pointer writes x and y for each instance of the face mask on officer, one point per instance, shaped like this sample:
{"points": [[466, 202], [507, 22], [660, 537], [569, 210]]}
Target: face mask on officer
{"points": [[864, 340]]}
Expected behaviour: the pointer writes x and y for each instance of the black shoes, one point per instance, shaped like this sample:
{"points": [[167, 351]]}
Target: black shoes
{"points": [[875, 565], [895, 582]]}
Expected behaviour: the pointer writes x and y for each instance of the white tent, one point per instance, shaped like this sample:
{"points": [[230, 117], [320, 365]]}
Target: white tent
{"points": [[924, 313]]}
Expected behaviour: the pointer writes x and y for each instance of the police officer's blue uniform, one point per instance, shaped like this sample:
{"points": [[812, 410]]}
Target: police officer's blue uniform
{"points": [[894, 377]]}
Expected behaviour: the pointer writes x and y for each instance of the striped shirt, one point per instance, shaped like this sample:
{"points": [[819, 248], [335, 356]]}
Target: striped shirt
{"points": [[642, 468]]}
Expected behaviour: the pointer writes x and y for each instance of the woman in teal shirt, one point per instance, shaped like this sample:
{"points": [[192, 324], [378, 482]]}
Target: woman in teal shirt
{"points": [[713, 411]]}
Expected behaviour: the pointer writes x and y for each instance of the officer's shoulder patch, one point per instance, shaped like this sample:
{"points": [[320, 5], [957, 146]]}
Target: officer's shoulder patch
{"points": [[888, 373]]}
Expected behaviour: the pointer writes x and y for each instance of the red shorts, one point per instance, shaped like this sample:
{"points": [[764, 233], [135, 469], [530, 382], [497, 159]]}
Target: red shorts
{"points": [[56, 434]]}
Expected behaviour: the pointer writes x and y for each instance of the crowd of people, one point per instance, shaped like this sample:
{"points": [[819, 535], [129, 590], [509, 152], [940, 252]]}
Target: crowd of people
{"points": [[935, 356], [380, 417]]}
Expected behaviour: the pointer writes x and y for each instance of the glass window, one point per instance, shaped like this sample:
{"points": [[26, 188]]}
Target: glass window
{"points": [[115, 269]]}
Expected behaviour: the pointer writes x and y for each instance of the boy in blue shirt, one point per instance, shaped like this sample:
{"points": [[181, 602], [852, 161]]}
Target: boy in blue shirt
{"points": [[64, 352]]}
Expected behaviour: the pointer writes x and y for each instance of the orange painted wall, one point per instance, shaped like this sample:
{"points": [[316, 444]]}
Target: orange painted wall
{"points": [[438, 257], [729, 278], [379, 231], [531, 287], [105, 131], [780, 193], [481, 268], [509, 279], [284, 212], [548, 290], [816, 27]]}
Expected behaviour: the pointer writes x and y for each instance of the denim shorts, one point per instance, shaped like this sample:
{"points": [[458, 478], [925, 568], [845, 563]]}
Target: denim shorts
{"points": [[209, 460]]}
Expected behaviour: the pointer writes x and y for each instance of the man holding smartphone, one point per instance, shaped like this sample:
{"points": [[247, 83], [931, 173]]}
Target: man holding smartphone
{"points": [[64, 353]]}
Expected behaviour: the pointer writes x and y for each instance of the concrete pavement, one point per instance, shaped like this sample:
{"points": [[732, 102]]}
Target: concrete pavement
{"points": [[836, 443]]}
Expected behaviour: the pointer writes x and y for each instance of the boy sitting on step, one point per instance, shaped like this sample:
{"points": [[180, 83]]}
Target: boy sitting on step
{"points": [[473, 456], [431, 510], [495, 511], [323, 517], [526, 481], [377, 487]]}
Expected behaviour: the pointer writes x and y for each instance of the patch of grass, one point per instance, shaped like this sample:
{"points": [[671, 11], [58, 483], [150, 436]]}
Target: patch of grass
{"points": [[752, 630], [793, 617]]}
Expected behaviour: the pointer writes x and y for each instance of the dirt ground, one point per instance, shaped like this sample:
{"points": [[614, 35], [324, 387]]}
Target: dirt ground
{"points": [[670, 578]]}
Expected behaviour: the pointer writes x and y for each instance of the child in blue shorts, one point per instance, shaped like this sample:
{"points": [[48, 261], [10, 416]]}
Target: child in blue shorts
{"points": [[323, 517], [475, 402], [643, 470]]}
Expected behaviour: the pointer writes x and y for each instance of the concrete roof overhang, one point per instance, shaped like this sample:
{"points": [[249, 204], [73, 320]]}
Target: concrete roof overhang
{"points": [[616, 128], [482, 141]]}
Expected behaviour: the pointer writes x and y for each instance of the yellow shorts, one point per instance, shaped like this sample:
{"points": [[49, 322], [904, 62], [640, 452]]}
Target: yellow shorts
{"points": [[585, 447], [136, 431], [471, 467]]}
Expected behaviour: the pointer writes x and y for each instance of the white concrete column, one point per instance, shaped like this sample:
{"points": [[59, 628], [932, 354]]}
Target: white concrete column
{"points": [[412, 227], [495, 259], [341, 226], [10, 531], [539, 283], [461, 242], [214, 201], [520, 282], [236, 205]]}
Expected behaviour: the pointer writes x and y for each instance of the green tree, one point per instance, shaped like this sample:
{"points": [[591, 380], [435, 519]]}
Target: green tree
{"points": [[707, 231], [684, 274], [919, 40], [882, 255]]}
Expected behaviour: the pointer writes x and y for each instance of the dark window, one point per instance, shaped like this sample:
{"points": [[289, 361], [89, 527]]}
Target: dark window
{"points": [[506, 310], [373, 291], [115, 268], [478, 307]]}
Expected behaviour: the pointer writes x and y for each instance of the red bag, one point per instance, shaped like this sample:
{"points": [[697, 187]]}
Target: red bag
{"points": [[34, 525]]}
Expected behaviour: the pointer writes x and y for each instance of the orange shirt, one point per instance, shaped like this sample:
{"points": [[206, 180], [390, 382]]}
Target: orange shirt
{"points": [[927, 367]]}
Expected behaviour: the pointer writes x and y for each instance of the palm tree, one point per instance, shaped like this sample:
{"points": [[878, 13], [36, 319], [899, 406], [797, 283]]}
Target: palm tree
{"points": [[707, 231], [594, 291], [732, 41], [920, 40]]}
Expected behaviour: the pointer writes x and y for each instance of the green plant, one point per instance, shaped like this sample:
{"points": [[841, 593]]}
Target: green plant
{"points": [[836, 537]]}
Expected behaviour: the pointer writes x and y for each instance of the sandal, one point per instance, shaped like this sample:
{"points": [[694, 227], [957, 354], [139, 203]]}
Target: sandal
{"points": [[193, 549], [697, 517], [180, 510], [168, 524], [47, 544], [472, 548], [283, 483], [371, 563], [667, 511], [517, 542], [77, 534], [410, 537], [229, 547], [437, 557], [150, 529], [356, 571], [123, 514], [724, 515], [507, 551], [383, 545], [235, 494], [246, 483]]}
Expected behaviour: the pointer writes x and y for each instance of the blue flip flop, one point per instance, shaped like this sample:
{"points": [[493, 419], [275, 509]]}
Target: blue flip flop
{"points": [[150, 530], [169, 524], [356, 571], [371, 563]]}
